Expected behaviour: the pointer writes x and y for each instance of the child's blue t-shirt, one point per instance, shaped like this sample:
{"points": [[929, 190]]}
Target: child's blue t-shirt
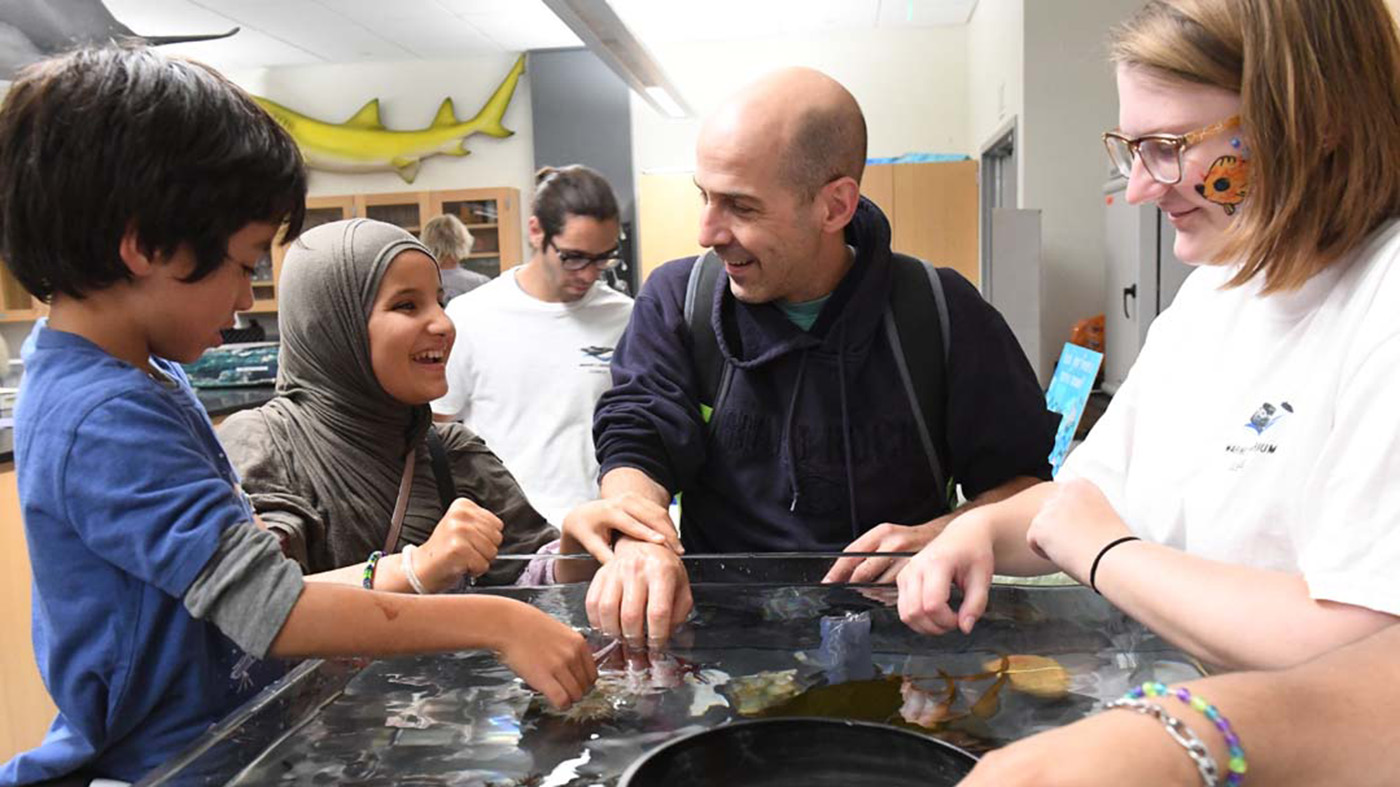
{"points": [[125, 492]]}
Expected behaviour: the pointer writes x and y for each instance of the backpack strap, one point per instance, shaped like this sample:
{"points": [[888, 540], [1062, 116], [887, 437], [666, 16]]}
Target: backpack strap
{"points": [[442, 470], [921, 341], [704, 345]]}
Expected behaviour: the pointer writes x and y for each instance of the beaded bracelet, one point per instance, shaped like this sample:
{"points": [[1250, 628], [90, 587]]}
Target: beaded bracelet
{"points": [[1238, 765], [1195, 749], [370, 565]]}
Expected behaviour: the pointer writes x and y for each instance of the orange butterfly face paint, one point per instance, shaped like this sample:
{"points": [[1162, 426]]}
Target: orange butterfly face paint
{"points": [[1226, 183]]}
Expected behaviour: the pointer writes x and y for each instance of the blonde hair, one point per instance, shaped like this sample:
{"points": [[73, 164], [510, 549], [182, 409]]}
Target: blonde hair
{"points": [[1319, 86], [447, 236]]}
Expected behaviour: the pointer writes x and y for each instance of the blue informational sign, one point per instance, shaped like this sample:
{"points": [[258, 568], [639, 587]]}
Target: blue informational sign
{"points": [[1068, 393]]}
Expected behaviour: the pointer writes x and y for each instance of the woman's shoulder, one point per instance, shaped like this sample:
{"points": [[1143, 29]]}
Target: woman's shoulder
{"points": [[247, 438], [243, 425], [458, 439]]}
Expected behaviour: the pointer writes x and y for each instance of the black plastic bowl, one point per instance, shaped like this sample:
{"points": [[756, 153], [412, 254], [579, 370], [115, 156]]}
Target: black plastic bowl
{"points": [[800, 752]]}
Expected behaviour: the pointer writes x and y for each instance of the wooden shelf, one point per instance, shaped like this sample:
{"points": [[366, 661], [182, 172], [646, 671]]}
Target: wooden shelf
{"points": [[412, 208]]}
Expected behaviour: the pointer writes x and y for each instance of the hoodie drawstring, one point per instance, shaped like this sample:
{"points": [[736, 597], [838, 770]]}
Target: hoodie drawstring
{"points": [[846, 434], [791, 417]]}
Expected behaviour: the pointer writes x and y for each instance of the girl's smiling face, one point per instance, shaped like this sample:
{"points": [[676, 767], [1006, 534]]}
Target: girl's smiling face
{"points": [[410, 335]]}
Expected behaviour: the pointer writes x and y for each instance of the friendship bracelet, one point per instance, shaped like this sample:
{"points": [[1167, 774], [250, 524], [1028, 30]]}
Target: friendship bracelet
{"points": [[409, 572], [370, 565], [1238, 765], [1182, 734], [1094, 570]]}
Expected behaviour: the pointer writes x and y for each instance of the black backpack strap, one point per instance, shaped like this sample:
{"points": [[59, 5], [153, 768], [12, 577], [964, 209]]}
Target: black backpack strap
{"points": [[919, 337], [442, 470], [699, 310]]}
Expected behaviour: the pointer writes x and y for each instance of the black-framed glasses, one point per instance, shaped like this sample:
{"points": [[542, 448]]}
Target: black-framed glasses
{"points": [[577, 260], [1161, 154]]}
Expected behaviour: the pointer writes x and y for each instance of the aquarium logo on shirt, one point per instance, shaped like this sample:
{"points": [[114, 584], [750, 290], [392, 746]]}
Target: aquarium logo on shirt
{"points": [[1267, 415], [1263, 419], [595, 357]]}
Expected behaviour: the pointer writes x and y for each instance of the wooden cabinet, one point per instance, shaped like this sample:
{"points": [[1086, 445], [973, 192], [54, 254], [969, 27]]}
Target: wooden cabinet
{"points": [[16, 304], [25, 707], [492, 216], [319, 210], [934, 215], [932, 208]]}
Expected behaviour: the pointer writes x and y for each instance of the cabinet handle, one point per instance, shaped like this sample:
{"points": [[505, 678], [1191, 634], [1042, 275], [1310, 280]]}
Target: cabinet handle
{"points": [[1128, 291]]}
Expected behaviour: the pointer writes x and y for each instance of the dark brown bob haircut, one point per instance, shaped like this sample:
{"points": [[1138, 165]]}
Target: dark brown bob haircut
{"points": [[1319, 86], [104, 139]]}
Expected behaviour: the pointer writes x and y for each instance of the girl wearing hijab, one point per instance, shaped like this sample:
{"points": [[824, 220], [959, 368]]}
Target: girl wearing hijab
{"points": [[338, 465]]}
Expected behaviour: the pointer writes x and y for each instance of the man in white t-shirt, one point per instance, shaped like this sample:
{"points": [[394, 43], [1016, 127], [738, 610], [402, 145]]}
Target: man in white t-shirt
{"points": [[533, 346]]}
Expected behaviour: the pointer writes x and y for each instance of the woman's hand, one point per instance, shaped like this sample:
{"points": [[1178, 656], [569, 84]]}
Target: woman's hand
{"points": [[1073, 525], [551, 657], [464, 542], [963, 554], [592, 527]]}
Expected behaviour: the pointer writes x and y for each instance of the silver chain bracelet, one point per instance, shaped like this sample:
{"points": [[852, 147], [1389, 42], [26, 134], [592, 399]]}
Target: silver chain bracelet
{"points": [[1182, 734]]}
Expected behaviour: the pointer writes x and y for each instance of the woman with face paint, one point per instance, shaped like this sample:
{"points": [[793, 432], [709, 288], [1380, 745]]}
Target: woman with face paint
{"points": [[1238, 496]]}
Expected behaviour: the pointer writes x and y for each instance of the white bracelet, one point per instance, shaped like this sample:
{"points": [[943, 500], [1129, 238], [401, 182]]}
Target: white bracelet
{"points": [[410, 573]]}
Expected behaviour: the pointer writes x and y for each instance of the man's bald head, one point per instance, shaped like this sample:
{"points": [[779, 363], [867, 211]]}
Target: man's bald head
{"points": [[814, 123]]}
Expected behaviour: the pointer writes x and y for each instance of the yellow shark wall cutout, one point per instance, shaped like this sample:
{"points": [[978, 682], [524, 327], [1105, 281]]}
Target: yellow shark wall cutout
{"points": [[363, 144]]}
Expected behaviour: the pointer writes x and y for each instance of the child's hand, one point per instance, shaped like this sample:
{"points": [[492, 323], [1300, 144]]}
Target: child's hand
{"points": [[464, 542], [590, 527], [551, 657]]}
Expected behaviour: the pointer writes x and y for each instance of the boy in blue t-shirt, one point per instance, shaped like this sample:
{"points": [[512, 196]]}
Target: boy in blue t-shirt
{"points": [[137, 195]]}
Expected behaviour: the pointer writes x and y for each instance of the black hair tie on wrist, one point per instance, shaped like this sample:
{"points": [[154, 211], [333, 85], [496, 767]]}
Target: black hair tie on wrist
{"points": [[1094, 570]]}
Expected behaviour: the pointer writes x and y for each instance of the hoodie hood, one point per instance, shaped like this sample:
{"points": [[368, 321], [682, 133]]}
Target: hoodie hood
{"points": [[752, 335]]}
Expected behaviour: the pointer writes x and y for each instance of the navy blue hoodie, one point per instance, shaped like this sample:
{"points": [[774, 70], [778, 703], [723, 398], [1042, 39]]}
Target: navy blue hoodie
{"points": [[815, 441]]}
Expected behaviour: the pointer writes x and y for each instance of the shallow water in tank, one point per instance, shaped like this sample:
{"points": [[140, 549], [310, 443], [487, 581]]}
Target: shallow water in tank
{"points": [[746, 652]]}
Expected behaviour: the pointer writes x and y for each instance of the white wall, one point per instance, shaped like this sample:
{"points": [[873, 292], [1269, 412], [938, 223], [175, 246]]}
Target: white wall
{"points": [[995, 71], [911, 84], [409, 94], [1070, 100]]}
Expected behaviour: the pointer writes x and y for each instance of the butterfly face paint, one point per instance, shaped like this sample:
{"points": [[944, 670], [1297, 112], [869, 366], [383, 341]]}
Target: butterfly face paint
{"points": [[1226, 183]]}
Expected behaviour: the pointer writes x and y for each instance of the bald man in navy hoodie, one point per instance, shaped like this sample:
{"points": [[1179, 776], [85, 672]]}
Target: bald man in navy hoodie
{"points": [[813, 444]]}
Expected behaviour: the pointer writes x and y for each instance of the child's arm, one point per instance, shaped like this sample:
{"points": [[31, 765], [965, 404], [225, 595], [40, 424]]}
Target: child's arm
{"points": [[258, 599], [336, 620]]}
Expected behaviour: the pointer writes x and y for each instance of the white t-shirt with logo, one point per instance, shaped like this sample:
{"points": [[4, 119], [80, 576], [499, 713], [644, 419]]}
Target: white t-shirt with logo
{"points": [[525, 375], [1265, 431]]}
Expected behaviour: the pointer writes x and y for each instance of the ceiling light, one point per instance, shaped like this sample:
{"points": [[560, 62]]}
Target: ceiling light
{"points": [[663, 101], [603, 32]]}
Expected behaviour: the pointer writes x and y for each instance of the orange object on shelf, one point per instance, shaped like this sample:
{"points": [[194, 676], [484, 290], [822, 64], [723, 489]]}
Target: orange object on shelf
{"points": [[1088, 332]]}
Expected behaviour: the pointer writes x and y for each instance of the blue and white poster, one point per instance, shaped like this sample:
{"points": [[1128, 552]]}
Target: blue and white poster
{"points": [[1068, 393]]}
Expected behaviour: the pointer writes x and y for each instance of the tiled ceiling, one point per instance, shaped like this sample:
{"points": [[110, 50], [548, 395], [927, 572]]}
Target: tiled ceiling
{"points": [[296, 32]]}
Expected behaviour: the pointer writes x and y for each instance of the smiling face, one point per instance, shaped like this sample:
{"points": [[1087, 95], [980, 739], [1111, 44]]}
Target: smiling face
{"points": [[410, 335], [189, 315], [1203, 204], [767, 233]]}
